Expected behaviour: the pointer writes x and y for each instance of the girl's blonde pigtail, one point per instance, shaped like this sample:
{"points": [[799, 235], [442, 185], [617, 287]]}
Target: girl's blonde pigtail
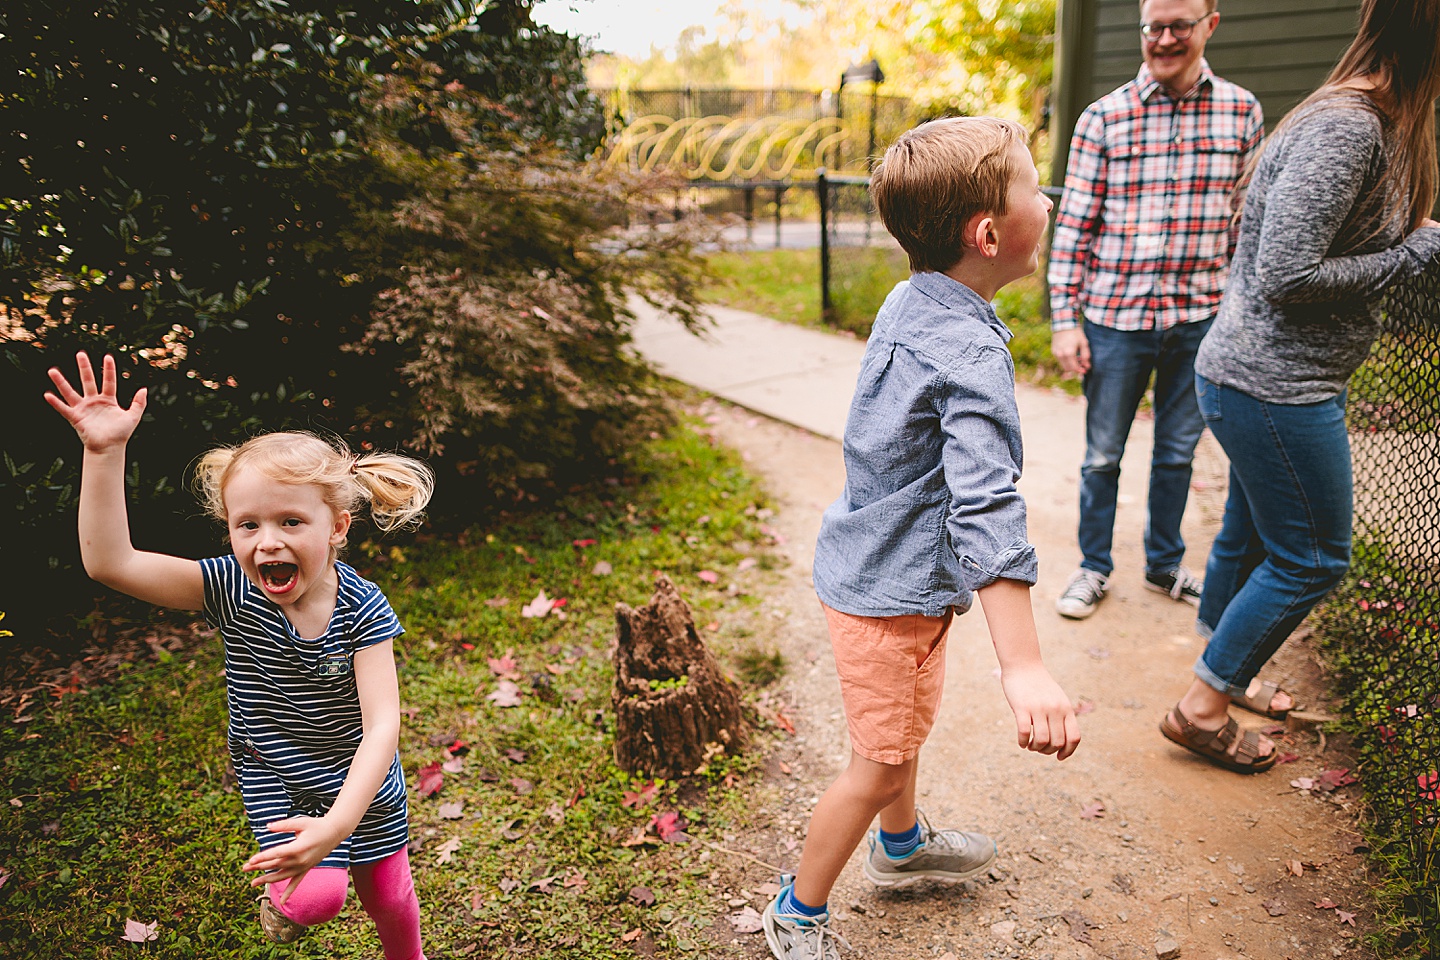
{"points": [[397, 488]]}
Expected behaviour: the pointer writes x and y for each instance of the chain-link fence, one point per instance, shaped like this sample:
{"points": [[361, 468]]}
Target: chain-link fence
{"points": [[1383, 625]]}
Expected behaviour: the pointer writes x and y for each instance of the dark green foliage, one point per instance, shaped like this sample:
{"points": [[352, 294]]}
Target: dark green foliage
{"points": [[281, 215]]}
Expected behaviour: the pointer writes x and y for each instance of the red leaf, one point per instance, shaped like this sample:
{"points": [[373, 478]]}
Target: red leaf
{"points": [[668, 825], [431, 779], [503, 666], [1094, 811], [1333, 779], [1325, 903], [587, 542], [1429, 785], [709, 576], [1344, 917]]}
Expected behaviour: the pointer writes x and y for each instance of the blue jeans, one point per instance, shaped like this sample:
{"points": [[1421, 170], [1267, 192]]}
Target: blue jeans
{"points": [[1121, 363], [1285, 539]]}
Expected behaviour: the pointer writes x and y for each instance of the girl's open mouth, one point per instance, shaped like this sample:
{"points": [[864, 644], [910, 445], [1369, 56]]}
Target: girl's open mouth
{"points": [[278, 577]]}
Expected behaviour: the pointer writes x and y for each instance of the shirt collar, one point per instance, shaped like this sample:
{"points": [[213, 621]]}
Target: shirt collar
{"points": [[954, 295], [1148, 86]]}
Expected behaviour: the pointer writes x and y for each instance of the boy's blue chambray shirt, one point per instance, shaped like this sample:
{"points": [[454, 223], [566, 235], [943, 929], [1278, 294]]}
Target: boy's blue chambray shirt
{"points": [[932, 448]]}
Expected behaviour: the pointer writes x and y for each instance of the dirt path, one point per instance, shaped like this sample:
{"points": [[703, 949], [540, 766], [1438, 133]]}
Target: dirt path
{"points": [[1183, 855]]}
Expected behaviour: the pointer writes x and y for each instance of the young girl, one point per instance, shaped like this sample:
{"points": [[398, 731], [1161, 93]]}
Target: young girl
{"points": [[1336, 211], [313, 699]]}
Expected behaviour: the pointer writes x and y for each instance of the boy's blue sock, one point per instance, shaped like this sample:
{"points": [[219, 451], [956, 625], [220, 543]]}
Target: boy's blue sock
{"points": [[898, 846], [790, 904]]}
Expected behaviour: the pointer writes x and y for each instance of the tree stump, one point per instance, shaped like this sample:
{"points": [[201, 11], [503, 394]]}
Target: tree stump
{"points": [[673, 709]]}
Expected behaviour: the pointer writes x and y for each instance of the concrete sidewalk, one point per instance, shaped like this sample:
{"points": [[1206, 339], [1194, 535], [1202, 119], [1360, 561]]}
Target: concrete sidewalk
{"points": [[797, 376]]}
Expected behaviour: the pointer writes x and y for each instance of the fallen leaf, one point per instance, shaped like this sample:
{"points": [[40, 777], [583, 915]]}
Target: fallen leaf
{"points": [[452, 811], [431, 780], [504, 666], [1334, 779], [667, 825], [746, 921], [555, 812], [602, 569], [1094, 811], [522, 786], [1325, 903], [455, 765], [644, 896], [587, 542], [484, 775], [636, 799], [1079, 926], [538, 607], [713, 625], [505, 694], [785, 768], [709, 576], [1123, 883], [542, 885], [1344, 917], [1284, 757], [1303, 783], [747, 563], [1295, 867], [509, 885], [446, 851], [515, 755], [638, 838], [632, 936], [137, 932], [4, 875], [575, 879], [1275, 908]]}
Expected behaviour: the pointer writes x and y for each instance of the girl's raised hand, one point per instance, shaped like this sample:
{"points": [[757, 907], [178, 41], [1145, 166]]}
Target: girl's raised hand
{"points": [[96, 413]]}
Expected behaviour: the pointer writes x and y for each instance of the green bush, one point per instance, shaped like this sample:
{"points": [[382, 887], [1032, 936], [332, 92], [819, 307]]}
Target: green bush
{"points": [[280, 215]]}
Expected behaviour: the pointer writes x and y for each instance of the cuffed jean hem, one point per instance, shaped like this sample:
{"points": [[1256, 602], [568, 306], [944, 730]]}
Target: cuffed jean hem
{"points": [[1207, 676]]}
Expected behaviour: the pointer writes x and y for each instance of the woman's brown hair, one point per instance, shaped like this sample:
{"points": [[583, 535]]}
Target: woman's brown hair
{"points": [[1396, 53]]}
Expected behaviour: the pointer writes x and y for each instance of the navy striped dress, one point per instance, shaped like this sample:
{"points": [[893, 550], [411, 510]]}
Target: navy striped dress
{"points": [[294, 710]]}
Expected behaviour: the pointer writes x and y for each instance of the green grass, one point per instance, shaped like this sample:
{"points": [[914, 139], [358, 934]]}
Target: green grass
{"points": [[785, 285], [121, 806]]}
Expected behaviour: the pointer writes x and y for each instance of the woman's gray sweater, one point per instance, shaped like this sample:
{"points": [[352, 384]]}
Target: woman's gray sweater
{"points": [[1315, 253]]}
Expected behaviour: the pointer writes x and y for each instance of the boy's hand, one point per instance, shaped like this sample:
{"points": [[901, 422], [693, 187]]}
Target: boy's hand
{"points": [[314, 839], [96, 413], [1044, 718]]}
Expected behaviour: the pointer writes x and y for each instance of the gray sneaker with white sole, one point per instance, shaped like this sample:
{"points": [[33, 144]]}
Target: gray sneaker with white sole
{"points": [[946, 856]]}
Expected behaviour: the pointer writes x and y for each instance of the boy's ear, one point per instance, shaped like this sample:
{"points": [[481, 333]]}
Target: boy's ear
{"points": [[980, 234]]}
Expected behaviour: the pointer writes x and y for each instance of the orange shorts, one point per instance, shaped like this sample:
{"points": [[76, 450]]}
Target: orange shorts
{"points": [[892, 673]]}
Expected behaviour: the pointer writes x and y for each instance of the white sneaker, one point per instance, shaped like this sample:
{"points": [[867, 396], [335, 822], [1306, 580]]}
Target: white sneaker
{"points": [[1082, 594]]}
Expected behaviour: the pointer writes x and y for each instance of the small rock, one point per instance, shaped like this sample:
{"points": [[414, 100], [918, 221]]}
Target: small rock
{"points": [[1214, 901], [1087, 892], [1004, 930], [1167, 950]]}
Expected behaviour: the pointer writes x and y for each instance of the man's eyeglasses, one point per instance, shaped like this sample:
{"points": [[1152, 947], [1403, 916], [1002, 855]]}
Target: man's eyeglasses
{"points": [[1179, 29]]}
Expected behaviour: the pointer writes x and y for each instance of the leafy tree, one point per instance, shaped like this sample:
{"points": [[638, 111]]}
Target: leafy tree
{"points": [[279, 215]]}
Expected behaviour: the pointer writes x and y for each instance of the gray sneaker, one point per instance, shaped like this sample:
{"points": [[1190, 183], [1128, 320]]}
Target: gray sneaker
{"points": [[1179, 584], [793, 937], [1082, 594], [948, 856]]}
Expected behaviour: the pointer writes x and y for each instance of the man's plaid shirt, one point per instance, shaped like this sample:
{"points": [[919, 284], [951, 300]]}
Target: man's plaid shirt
{"points": [[1143, 238]]}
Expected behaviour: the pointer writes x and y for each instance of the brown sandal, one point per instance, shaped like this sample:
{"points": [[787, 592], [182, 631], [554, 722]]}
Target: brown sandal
{"points": [[1214, 745], [1260, 702]]}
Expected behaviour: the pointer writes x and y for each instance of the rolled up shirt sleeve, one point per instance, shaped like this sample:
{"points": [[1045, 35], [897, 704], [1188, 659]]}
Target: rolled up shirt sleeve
{"points": [[982, 458]]}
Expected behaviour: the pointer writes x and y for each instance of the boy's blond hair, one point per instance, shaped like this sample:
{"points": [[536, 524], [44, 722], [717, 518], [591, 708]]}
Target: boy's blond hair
{"points": [[395, 487], [937, 176]]}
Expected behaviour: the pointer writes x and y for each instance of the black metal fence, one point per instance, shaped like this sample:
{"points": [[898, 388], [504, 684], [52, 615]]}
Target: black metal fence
{"points": [[859, 260], [1383, 625]]}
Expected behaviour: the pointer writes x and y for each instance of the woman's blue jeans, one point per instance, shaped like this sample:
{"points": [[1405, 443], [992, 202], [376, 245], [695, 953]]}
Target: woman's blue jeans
{"points": [[1285, 539], [1121, 363]]}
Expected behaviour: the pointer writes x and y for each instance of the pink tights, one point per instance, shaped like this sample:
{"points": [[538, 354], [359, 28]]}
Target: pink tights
{"points": [[386, 889]]}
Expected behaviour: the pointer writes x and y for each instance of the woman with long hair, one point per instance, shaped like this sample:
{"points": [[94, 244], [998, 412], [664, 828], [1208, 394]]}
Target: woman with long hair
{"points": [[1335, 210]]}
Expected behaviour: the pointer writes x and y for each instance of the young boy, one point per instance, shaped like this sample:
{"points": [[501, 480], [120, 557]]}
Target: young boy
{"points": [[929, 515]]}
